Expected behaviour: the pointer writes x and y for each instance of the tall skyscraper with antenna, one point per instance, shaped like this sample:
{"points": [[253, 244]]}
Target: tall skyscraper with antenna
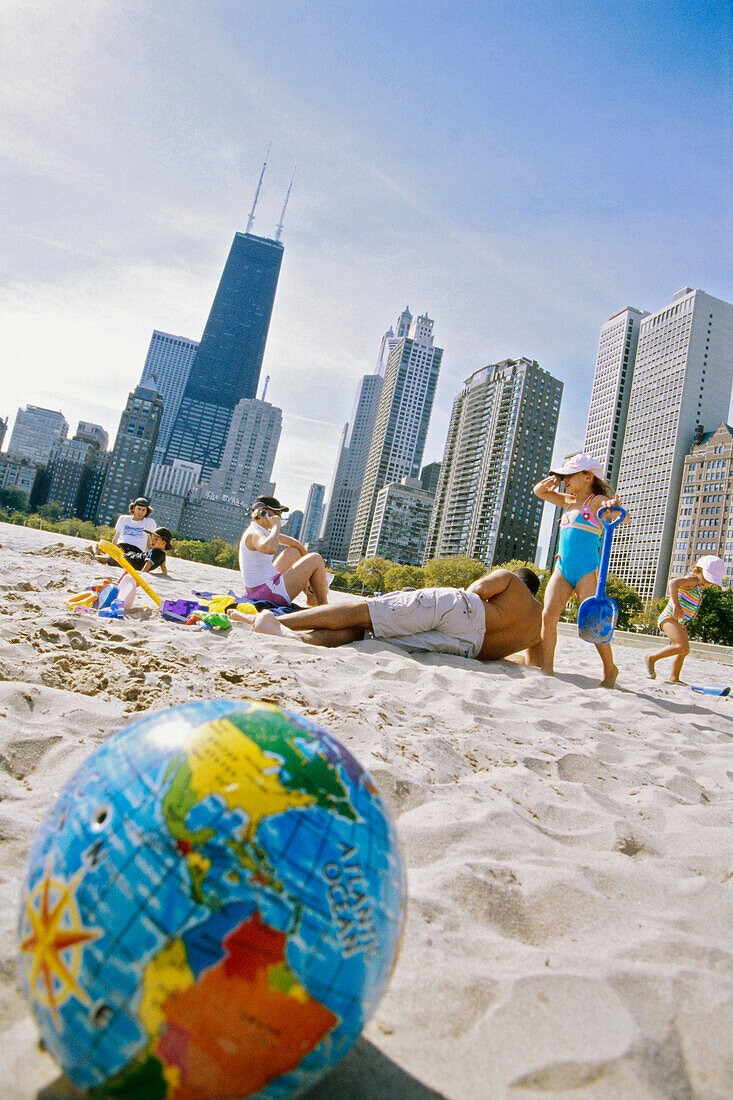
{"points": [[228, 361]]}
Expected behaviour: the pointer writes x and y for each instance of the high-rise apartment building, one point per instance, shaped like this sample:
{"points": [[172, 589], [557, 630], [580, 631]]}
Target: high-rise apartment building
{"points": [[500, 440], [226, 366], [70, 474], [402, 420], [705, 514], [34, 433], [399, 529], [609, 400], [250, 450], [313, 514], [73, 472], [3, 430], [132, 454], [167, 367], [682, 378]]}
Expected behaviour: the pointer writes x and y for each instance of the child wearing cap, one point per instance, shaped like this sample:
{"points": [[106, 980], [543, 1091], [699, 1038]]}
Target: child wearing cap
{"points": [[159, 542], [685, 597], [579, 546]]}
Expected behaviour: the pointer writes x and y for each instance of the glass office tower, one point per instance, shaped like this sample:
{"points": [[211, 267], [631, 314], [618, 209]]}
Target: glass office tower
{"points": [[167, 367], [228, 361]]}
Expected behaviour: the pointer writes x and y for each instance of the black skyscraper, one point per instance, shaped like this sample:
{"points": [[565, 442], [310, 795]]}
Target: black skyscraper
{"points": [[228, 361]]}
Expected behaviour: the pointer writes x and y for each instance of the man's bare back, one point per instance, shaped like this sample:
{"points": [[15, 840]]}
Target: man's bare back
{"points": [[513, 615]]}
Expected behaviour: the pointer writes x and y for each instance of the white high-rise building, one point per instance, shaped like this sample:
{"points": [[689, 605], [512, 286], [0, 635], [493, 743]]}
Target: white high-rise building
{"points": [[609, 399], [178, 478], [682, 378], [250, 449], [353, 451], [403, 416], [34, 433], [168, 488], [167, 367], [500, 440], [313, 514]]}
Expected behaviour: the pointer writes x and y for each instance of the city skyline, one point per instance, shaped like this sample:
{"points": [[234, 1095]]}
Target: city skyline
{"points": [[521, 213]]}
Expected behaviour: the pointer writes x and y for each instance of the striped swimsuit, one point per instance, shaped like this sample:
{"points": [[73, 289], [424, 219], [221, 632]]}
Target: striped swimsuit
{"points": [[689, 599]]}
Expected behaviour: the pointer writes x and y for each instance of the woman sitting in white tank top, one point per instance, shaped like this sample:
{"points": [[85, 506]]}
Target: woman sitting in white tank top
{"points": [[278, 579]]}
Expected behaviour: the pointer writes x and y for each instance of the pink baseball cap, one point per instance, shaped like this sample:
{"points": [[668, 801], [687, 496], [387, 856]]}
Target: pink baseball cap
{"points": [[573, 464], [713, 568]]}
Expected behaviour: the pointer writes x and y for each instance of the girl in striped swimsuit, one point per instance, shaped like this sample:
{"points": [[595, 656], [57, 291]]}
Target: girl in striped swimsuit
{"points": [[685, 597]]}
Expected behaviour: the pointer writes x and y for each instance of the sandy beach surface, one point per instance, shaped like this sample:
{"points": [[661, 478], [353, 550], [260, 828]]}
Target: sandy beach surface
{"points": [[569, 849]]}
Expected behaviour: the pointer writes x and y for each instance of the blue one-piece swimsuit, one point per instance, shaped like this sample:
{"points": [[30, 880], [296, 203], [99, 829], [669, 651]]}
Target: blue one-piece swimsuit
{"points": [[579, 545]]}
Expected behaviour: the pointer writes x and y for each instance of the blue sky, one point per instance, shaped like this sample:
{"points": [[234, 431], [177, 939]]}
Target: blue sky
{"points": [[519, 171]]}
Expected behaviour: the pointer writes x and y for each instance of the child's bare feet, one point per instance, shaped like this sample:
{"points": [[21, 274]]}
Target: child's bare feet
{"points": [[610, 678], [650, 667], [674, 680]]}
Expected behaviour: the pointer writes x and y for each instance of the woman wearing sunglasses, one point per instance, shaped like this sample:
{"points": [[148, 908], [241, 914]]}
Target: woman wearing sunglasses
{"points": [[275, 567]]}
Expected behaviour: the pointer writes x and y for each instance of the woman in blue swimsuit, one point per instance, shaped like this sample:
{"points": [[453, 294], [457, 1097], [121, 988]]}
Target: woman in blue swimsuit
{"points": [[579, 546]]}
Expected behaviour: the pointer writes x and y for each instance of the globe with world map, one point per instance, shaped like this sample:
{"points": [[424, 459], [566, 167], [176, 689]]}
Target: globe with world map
{"points": [[212, 907]]}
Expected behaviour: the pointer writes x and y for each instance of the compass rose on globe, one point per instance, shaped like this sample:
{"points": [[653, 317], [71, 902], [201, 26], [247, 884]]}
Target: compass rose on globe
{"points": [[52, 940]]}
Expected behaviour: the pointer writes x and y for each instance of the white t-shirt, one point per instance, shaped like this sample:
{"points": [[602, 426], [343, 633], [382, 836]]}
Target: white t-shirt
{"points": [[134, 531]]}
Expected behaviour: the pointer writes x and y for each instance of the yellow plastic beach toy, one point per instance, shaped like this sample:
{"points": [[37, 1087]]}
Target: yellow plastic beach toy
{"points": [[115, 552]]}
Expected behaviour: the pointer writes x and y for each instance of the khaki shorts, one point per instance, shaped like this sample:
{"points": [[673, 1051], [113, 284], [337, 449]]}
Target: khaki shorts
{"points": [[436, 620]]}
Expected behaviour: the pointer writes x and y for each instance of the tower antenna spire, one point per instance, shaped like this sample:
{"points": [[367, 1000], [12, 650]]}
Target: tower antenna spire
{"points": [[285, 206], [257, 192]]}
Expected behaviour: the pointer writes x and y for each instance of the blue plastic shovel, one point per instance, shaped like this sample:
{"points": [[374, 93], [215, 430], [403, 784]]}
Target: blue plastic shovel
{"points": [[598, 614]]}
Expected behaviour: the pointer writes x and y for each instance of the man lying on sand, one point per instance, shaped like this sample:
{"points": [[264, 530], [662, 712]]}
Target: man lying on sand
{"points": [[493, 617]]}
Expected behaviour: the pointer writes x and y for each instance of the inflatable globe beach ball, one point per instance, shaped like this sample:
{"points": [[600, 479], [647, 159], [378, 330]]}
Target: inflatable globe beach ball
{"points": [[212, 908]]}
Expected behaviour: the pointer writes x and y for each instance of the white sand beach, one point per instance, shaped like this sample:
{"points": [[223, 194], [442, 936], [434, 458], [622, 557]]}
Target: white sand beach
{"points": [[569, 849]]}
